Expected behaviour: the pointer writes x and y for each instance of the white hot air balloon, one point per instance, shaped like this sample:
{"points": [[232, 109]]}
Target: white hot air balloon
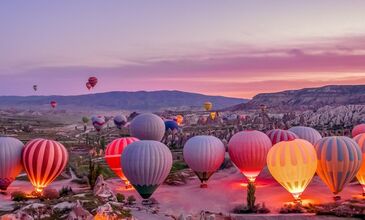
{"points": [[146, 165], [147, 127], [204, 155], [306, 133], [10, 160]]}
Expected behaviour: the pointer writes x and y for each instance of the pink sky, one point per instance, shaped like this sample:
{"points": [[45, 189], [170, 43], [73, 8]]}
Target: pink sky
{"points": [[237, 49]]}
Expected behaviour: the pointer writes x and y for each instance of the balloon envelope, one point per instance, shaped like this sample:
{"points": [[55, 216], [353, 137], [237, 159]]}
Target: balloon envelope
{"points": [[293, 164], [179, 119], [306, 133], [204, 155], [44, 160], [248, 151], [360, 140], [358, 129], [93, 81], [10, 160], [147, 127], [35, 87], [120, 121], [171, 125], [207, 106], [146, 165], [85, 119], [53, 104], [88, 86], [339, 160], [277, 135], [98, 122]]}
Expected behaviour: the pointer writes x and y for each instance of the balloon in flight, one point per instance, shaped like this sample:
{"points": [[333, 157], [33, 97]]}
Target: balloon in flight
{"points": [[120, 121], [53, 104], [35, 87], [93, 81], [88, 86], [207, 106], [98, 122]]}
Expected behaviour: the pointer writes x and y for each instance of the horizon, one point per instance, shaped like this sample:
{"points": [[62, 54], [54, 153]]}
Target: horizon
{"points": [[237, 49]]}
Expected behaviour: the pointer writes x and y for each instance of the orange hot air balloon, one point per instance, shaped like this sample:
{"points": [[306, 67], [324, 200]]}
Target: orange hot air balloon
{"points": [[43, 160], [179, 119], [53, 104], [93, 81], [113, 154], [358, 129], [339, 160], [293, 164], [212, 115], [88, 86], [360, 140], [207, 106]]}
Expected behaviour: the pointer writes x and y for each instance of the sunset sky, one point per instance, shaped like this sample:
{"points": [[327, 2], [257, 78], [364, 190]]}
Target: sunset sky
{"points": [[231, 48]]}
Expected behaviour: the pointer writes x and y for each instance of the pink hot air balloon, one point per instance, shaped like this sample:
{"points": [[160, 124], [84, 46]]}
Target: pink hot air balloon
{"points": [[44, 160], [88, 86], [358, 129], [53, 104], [248, 151], [98, 122], [278, 135], [93, 81]]}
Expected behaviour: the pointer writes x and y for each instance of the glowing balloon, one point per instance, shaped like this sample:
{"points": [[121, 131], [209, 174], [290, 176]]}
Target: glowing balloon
{"points": [[171, 125], [358, 129], [120, 121], [146, 165], [88, 86], [207, 106], [93, 81], [339, 160], [204, 155], [10, 160], [179, 119], [53, 104], [360, 140], [248, 151], [293, 164], [44, 160], [113, 153], [147, 127], [306, 133], [278, 135], [212, 115]]}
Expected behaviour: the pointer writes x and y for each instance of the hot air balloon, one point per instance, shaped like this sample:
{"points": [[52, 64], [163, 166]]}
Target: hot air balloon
{"points": [[35, 87], [204, 155], [339, 160], [147, 127], [10, 160], [120, 121], [306, 133], [98, 122], [146, 165], [360, 140], [179, 119], [53, 104], [44, 160], [88, 86], [207, 106], [248, 150], [93, 81], [278, 135], [293, 164], [212, 115], [113, 154], [85, 120], [202, 120], [171, 125], [358, 129]]}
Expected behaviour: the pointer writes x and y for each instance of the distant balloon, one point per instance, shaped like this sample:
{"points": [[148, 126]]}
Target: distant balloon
{"points": [[146, 165], [113, 153], [93, 81], [207, 106], [88, 86], [358, 129], [35, 87], [53, 104], [293, 164], [306, 133], [360, 140], [120, 121], [10, 160], [44, 160], [202, 120], [339, 160], [147, 127], [179, 119], [248, 151], [98, 122], [171, 125], [212, 115], [278, 135], [204, 155], [85, 120]]}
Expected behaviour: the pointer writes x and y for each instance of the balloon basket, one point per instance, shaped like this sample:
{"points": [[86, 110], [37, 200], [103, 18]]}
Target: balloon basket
{"points": [[203, 185], [337, 198], [146, 202]]}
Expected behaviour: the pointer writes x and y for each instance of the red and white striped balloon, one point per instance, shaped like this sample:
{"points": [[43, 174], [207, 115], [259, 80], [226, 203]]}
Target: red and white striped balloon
{"points": [[113, 155], [278, 135], [358, 129], [44, 160]]}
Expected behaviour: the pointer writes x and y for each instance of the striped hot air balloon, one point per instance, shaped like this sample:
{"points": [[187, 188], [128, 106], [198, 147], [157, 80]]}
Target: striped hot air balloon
{"points": [[277, 135], [44, 160], [306, 133], [293, 164], [10, 160], [339, 160], [358, 129], [248, 151], [146, 165], [93, 81], [147, 127], [360, 140], [98, 122], [204, 155], [113, 154]]}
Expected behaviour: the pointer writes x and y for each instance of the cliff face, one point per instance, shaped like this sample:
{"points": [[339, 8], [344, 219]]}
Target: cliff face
{"points": [[308, 99]]}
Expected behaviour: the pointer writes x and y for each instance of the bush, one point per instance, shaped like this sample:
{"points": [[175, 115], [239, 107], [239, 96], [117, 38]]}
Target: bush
{"points": [[66, 191], [18, 196], [131, 200], [120, 198], [50, 193], [292, 208]]}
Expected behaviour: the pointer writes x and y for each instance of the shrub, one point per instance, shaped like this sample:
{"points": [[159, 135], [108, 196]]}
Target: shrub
{"points": [[66, 191], [131, 200], [18, 196], [50, 193], [120, 198]]}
